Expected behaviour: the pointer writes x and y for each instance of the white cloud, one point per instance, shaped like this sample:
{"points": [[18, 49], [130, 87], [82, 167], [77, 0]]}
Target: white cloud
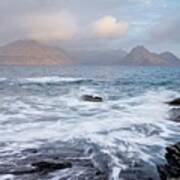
{"points": [[109, 27], [52, 26]]}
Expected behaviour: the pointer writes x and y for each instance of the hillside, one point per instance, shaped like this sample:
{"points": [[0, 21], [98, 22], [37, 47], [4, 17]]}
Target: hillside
{"points": [[143, 57], [29, 52]]}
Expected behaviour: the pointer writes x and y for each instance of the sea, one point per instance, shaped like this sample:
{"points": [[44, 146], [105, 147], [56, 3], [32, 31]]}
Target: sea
{"points": [[43, 107]]}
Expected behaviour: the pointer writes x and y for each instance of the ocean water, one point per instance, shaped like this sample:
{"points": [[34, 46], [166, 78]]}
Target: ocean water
{"points": [[43, 105]]}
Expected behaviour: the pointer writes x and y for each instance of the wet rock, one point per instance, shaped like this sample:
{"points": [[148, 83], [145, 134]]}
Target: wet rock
{"points": [[61, 160], [91, 98], [175, 102], [175, 114], [42, 167], [171, 170], [31, 150], [45, 166], [140, 171]]}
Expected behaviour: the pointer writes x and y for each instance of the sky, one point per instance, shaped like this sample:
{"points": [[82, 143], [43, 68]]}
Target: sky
{"points": [[93, 24]]}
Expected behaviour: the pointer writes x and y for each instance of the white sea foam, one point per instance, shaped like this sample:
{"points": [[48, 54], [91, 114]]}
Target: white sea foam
{"points": [[136, 123], [7, 177], [3, 79], [52, 79]]}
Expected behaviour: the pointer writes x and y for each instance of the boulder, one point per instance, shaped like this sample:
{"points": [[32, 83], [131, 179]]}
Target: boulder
{"points": [[171, 170], [175, 102], [91, 98]]}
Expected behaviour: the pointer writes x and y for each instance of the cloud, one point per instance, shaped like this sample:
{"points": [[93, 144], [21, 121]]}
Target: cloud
{"points": [[145, 1], [167, 30], [21, 19], [109, 27], [50, 26]]}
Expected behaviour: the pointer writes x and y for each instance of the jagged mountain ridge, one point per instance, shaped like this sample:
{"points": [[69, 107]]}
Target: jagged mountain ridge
{"points": [[142, 56]]}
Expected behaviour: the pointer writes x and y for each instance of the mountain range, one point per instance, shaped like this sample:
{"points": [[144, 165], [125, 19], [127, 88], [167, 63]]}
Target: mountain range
{"points": [[30, 52]]}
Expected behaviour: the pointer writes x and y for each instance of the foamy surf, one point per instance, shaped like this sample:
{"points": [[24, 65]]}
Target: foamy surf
{"points": [[135, 127], [53, 79], [130, 128], [3, 79]]}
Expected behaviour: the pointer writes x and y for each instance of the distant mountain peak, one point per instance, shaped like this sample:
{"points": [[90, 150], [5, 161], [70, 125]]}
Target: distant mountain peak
{"points": [[140, 49], [31, 52], [142, 56], [25, 42]]}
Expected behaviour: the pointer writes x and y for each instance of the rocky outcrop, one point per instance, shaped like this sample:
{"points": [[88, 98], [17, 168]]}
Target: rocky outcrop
{"points": [[91, 98], [171, 170], [175, 102], [175, 111], [59, 160], [42, 167]]}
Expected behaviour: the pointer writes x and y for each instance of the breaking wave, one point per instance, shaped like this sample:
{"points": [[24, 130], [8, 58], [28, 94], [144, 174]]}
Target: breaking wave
{"points": [[131, 126]]}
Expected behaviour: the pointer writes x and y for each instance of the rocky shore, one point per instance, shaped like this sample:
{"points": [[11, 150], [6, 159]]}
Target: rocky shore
{"points": [[171, 170], [53, 160], [83, 162]]}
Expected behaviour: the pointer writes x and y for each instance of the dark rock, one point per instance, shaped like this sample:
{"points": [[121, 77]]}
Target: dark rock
{"points": [[91, 98], [27, 151], [42, 167], [175, 114], [171, 170], [45, 166], [68, 160], [22, 172], [175, 102]]}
